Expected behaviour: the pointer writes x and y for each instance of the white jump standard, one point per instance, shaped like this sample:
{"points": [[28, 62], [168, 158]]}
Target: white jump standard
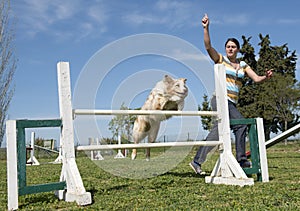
{"points": [[75, 190], [32, 160], [95, 155]]}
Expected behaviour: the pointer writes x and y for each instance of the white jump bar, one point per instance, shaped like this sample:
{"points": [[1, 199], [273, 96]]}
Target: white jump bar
{"points": [[148, 145], [143, 112], [283, 135]]}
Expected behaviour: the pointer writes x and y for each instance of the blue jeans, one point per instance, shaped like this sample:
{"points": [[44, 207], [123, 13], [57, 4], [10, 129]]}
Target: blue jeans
{"points": [[239, 131]]}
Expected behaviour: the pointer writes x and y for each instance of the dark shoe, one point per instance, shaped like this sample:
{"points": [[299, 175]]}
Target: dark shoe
{"points": [[245, 164], [196, 167]]}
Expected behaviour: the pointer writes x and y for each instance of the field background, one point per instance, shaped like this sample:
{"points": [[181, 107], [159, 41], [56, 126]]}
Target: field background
{"points": [[176, 189]]}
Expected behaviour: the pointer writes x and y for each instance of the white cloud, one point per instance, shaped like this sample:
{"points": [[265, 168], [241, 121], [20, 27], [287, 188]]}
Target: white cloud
{"points": [[171, 14], [78, 19], [38, 16], [241, 19], [137, 18], [289, 21], [63, 10], [62, 19], [98, 13], [176, 6], [282, 21], [184, 56]]}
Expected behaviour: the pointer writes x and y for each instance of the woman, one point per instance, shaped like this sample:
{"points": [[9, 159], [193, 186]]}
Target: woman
{"points": [[235, 72]]}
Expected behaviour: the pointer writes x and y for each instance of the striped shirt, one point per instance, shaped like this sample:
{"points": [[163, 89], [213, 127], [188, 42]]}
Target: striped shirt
{"points": [[233, 77]]}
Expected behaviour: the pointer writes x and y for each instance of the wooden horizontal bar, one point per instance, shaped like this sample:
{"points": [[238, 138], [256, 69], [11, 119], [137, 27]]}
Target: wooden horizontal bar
{"points": [[143, 112], [42, 188], [242, 121], [147, 145], [26, 123]]}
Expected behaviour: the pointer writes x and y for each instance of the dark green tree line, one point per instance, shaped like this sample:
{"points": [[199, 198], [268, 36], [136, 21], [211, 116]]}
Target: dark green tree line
{"points": [[277, 100]]}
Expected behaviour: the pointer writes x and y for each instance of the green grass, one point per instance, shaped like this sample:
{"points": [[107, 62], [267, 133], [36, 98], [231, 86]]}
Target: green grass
{"points": [[157, 187]]}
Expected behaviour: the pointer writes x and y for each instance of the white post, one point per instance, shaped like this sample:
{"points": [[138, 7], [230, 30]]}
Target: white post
{"points": [[262, 150], [227, 170], [98, 154], [119, 155], [75, 190], [91, 142], [32, 160], [95, 155], [32, 145], [12, 171], [59, 158]]}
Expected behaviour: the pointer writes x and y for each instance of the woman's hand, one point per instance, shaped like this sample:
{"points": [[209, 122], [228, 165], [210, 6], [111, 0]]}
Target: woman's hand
{"points": [[205, 21], [269, 73]]}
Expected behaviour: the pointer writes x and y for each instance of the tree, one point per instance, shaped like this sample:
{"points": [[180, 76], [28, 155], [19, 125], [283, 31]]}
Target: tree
{"points": [[7, 63], [276, 101], [122, 125], [205, 120], [284, 104]]}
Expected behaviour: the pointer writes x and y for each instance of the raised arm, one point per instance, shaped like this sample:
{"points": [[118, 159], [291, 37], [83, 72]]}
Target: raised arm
{"points": [[214, 55]]}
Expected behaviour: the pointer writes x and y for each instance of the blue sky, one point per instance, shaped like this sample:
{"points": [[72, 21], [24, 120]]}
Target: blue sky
{"points": [[77, 31]]}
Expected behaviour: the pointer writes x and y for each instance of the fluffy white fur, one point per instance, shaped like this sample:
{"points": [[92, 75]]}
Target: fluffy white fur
{"points": [[168, 94]]}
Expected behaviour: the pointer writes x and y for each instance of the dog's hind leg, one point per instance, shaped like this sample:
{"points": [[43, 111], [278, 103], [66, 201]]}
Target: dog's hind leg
{"points": [[152, 137]]}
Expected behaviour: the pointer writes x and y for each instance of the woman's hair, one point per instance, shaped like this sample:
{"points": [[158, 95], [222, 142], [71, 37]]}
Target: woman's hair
{"points": [[233, 40]]}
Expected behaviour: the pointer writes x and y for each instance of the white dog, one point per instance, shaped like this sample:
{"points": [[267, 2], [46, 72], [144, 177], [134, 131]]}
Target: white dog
{"points": [[168, 94]]}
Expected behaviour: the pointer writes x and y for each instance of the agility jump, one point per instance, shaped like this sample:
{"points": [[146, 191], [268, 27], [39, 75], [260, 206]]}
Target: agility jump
{"points": [[70, 187]]}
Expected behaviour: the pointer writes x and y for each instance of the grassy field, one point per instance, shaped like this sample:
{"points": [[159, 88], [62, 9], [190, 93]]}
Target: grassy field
{"points": [[114, 185]]}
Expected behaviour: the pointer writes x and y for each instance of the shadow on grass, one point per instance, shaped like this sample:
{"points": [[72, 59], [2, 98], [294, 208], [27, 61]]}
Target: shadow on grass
{"points": [[187, 174], [45, 198], [95, 191], [49, 198], [285, 157]]}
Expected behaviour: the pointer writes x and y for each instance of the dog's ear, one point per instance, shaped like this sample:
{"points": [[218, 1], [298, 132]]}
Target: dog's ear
{"points": [[183, 79], [168, 79]]}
